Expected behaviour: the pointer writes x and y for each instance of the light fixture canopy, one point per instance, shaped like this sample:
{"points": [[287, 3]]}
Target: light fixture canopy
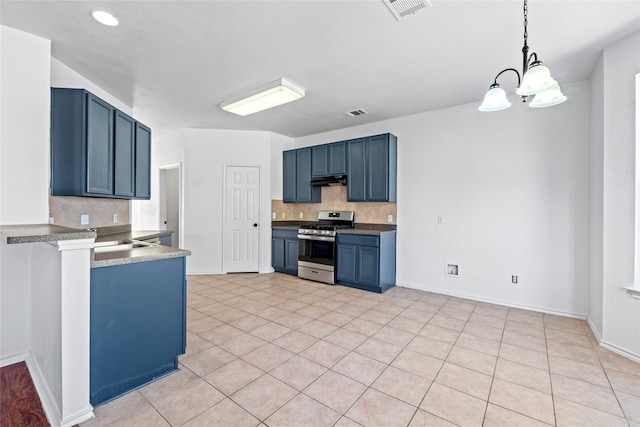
{"points": [[536, 80], [268, 96], [105, 18]]}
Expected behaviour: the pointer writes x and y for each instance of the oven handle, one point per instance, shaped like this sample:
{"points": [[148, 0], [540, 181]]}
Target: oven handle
{"points": [[320, 238]]}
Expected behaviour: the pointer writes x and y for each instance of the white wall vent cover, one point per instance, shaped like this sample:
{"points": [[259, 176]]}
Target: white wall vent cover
{"points": [[356, 113], [402, 8]]}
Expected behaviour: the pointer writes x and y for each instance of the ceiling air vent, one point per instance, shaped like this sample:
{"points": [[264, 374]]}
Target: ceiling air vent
{"points": [[402, 8], [356, 113]]}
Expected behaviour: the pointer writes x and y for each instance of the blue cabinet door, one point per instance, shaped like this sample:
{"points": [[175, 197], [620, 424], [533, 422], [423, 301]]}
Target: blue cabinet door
{"points": [[99, 146], [291, 255], [124, 155], [303, 175], [277, 253], [356, 170], [319, 161], [378, 168], [143, 162], [346, 263], [337, 158], [368, 265], [289, 176]]}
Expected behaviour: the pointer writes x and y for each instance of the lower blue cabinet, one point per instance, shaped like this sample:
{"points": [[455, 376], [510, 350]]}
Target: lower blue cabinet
{"points": [[366, 261], [137, 325], [284, 251]]}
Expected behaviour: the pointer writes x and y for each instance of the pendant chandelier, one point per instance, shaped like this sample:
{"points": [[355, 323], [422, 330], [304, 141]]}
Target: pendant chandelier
{"points": [[536, 80]]}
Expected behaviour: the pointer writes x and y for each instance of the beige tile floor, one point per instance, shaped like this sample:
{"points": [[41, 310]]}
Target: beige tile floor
{"points": [[275, 350]]}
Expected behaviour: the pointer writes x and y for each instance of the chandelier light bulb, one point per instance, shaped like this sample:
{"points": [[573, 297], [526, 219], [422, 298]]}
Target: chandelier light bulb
{"points": [[548, 98], [495, 100], [537, 79]]}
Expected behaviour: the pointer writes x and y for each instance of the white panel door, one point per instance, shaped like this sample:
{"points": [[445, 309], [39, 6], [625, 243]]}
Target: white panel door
{"points": [[242, 219]]}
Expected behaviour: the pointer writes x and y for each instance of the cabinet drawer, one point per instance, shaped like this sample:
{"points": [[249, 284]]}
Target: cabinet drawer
{"points": [[284, 234], [358, 239]]}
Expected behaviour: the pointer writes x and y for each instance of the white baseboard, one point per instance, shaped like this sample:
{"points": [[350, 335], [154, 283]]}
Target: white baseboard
{"points": [[496, 302], [621, 351], [49, 405], [204, 272], [16, 358]]}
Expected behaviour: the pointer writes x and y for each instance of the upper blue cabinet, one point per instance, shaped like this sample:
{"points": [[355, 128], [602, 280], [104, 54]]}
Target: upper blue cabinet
{"points": [[329, 159], [97, 150], [372, 169], [369, 163], [296, 177]]}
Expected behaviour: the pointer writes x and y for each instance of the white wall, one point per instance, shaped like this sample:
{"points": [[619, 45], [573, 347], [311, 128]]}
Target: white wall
{"points": [[63, 76], [206, 154], [621, 313], [24, 173], [279, 143], [166, 150], [596, 198], [24, 129], [512, 188]]}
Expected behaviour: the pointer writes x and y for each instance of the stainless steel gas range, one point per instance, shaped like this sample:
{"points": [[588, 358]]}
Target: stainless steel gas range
{"points": [[317, 245]]}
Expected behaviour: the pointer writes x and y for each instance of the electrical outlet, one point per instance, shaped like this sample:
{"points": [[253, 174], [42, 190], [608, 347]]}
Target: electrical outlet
{"points": [[514, 280], [273, 215], [389, 218], [84, 219], [50, 220], [283, 216], [301, 215], [115, 217]]}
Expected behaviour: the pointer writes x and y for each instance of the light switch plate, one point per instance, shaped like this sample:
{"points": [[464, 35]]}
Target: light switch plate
{"points": [[273, 215], [301, 215], [84, 219], [115, 217], [389, 218]]}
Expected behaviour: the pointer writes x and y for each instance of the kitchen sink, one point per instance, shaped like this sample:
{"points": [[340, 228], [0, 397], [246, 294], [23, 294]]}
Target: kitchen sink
{"points": [[122, 245]]}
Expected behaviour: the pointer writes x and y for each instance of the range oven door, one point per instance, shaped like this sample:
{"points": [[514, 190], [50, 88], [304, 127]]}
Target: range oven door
{"points": [[316, 258]]}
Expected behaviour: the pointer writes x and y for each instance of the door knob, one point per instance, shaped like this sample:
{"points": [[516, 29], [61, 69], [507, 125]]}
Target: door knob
{"points": [[255, 225]]}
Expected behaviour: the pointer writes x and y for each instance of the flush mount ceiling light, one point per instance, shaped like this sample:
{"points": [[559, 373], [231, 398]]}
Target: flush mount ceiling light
{"points": [[536, 81], [105, 18], [268, 96]]}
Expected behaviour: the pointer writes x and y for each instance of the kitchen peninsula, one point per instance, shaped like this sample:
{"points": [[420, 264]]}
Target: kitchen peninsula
{"points": [[45, 299]]}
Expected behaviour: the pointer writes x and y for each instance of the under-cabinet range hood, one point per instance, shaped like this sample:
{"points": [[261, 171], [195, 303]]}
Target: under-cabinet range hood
{"points": [[329, 180]]}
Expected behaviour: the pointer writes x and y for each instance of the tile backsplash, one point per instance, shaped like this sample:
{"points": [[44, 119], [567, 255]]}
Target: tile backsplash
{"points": [[66, 211], [334, 198]]}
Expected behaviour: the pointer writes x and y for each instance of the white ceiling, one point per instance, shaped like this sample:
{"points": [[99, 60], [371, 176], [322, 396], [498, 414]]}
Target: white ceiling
{"points": [[175, 61]]}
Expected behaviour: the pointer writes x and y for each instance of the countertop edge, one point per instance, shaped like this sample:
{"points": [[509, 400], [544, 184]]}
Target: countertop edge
{"points": [[35, 233], [112, 262]]}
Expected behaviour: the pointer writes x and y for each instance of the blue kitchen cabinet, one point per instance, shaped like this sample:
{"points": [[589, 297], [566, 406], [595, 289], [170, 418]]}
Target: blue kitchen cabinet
{"points": [[137, 325], [166, 240], [289, 176], [372, 169], [329, 159], [125, 156], [99, 146], [320, 160], [296, 177], [143, 162], [94, 148], [356, 170], [284, 251], [366, 261], [337, 158]]}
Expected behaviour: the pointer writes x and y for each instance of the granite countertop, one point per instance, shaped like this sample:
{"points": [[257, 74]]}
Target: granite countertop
{"points": [[32, 233], [135, 255], [123, 236], [371, 229]]}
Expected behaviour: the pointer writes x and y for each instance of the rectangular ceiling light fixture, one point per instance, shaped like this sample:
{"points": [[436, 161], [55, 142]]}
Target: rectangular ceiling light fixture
{"points": [[402, 8], [268, 96]]}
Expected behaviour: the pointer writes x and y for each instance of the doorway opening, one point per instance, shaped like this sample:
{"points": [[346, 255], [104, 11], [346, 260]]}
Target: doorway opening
{"points": [[171, 201]]}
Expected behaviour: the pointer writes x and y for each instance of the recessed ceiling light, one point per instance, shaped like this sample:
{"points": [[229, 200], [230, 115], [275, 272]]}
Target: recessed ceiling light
{"points": [[105, 18]]}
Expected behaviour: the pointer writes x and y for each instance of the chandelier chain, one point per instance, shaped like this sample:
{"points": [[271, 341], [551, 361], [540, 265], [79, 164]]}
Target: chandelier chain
{"points": [[526, 12]]}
